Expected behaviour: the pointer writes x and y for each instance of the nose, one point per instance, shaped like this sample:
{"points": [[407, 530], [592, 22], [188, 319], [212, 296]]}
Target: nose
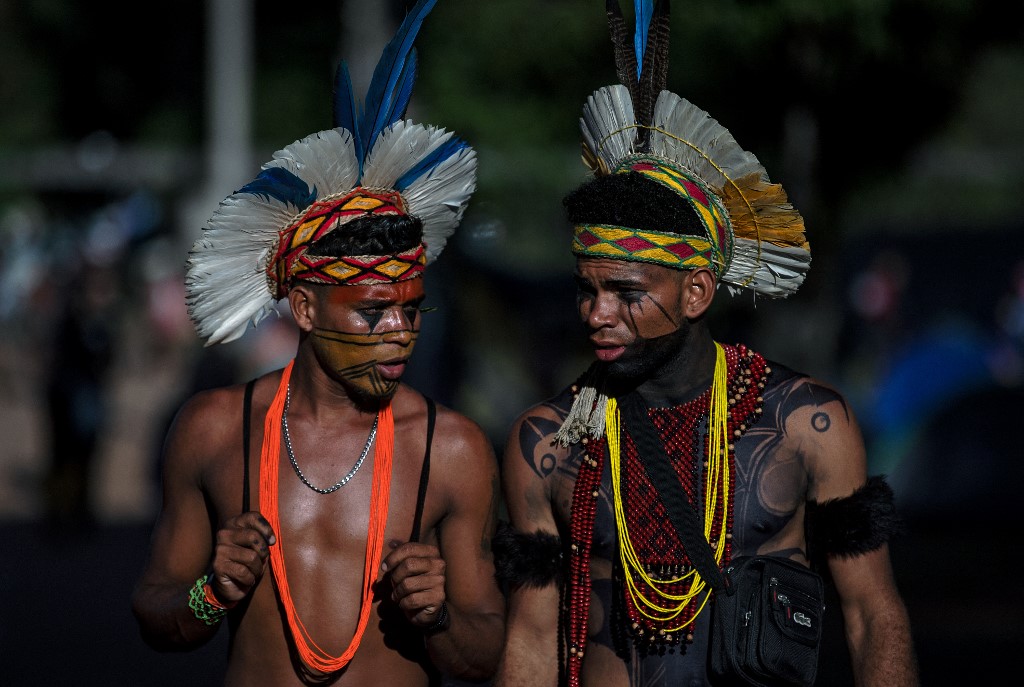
{"points": [[396, 327], [599, 311], [402, 337], [395, 319]]}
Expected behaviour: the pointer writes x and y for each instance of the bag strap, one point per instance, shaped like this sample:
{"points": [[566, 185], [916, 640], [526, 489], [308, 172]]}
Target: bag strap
{"points": [[246, 412], [687, 523], [421, 496]]}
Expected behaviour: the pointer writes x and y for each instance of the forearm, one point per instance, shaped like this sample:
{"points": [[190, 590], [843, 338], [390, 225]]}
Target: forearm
{"points": [[470, 646], [882, 650], [526, 664], [166, 622], [530, 656]]}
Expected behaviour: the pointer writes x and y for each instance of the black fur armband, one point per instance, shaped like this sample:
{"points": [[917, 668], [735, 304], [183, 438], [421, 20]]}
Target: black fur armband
{"points": [[854, 524], [527, 560]]}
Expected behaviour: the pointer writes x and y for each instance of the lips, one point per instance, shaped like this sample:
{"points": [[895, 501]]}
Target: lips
{"points": [[607, 351], [392, 370]]}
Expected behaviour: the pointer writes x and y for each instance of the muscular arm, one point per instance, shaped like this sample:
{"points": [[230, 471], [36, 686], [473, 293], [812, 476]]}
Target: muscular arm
{"points": [[876, 622], [469, 643], [530, 657], [183, 542]]}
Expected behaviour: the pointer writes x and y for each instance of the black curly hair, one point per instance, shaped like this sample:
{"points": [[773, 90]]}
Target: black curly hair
{"points": [[633, 201], [371, 235]]}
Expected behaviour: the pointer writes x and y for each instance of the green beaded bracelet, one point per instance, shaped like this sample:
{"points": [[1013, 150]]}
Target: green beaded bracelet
{"points": [[202, 609]]}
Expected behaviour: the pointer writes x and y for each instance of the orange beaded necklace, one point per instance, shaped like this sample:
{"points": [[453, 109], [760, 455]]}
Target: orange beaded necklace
{"points": [[312, 654]]}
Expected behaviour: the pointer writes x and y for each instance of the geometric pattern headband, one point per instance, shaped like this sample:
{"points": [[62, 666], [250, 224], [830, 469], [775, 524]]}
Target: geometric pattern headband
{"points": [[293, 262], [678, 251]]}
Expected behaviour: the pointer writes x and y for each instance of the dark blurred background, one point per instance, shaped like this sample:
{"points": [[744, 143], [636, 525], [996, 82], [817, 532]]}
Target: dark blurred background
{"points": [[895, 126]]}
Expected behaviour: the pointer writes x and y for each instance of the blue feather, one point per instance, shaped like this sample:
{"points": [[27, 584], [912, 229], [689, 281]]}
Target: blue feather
{"points": [[345, 109], [403, 89], [282, 185], [450, 147], [644, 9], [391, 85]]}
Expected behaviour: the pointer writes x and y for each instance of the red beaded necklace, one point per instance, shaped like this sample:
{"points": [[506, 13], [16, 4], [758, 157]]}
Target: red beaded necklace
{"points": [[659, 548]]}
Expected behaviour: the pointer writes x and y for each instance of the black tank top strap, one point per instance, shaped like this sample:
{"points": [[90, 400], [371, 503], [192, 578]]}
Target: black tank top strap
{"points": [[246, 424], [424, 472]]}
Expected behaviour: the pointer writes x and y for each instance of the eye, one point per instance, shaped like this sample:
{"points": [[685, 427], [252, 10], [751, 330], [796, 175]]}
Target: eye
{"points": [[583, 288], [631, 295]]}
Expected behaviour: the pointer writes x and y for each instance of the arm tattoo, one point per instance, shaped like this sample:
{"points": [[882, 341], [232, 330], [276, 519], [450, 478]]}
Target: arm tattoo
{"points": [[810, 395], [536, 443]]}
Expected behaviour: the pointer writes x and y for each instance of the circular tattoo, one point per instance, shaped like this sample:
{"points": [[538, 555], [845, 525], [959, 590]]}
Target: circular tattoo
{"points": [[821, 422]]}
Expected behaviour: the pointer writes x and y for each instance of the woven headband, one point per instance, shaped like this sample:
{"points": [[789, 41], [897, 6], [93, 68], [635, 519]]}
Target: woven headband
{"points": [[679, 251], [293, 262]]}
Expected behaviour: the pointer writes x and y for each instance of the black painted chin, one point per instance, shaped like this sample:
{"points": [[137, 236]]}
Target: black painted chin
{"points": [[362, 397], [647, 358]]}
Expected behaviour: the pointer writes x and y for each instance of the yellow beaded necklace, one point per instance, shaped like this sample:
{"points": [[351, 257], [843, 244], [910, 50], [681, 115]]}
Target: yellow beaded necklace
{"points": [[716, 486]]}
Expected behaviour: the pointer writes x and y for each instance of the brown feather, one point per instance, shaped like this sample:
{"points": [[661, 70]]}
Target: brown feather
{"points": [[625, 58], [654, 74], [760, 210]]}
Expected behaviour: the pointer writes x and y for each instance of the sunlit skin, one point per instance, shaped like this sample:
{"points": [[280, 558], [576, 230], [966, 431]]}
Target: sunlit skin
{"points": [[323, 538], [371, 336]]}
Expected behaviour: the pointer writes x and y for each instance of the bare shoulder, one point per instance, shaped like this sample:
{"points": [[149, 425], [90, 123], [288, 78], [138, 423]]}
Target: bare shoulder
{"points": [[818, 422], [209, 423], [203, 422], [461, 436], [531, 446]]}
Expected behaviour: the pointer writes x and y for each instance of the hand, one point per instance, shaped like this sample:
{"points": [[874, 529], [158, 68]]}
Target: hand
{"points": [[417, 580], [240, 556]]}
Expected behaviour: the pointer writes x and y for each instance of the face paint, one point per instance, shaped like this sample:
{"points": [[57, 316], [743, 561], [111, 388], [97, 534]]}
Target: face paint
{"points": [[370, 364]]}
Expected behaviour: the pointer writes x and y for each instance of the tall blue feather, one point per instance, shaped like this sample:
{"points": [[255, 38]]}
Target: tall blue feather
{"points": [[345, 108], [440, 154], [391, 85], [643, 9]]}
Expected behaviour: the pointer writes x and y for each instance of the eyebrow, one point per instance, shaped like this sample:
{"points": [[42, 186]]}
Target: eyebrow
{"points": [[387, 302], [616, 283]]}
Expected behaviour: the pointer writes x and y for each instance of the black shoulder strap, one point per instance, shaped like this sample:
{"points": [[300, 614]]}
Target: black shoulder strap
{"points": [[425, 472], [663, 478], [246, 412]]}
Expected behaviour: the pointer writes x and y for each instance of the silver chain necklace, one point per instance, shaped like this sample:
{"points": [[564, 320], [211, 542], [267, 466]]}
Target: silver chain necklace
{"points": [[291, 455]]}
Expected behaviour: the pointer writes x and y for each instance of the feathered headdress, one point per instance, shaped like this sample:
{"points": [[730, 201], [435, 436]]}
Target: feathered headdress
{"points": [[754, 237], [372, 162], [757, 237]]}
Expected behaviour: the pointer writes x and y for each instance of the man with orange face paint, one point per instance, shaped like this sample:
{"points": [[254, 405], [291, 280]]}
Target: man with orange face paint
{"points": [[326, 570]]}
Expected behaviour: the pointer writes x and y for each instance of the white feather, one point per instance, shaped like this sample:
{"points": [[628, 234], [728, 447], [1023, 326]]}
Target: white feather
{"points": [[438, 198], [608, 124], [226, 284], [706, 148], [326, 161]]}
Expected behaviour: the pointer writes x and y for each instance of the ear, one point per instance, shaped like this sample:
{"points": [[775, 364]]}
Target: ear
{"points": [[303, 303], [698, 292]]}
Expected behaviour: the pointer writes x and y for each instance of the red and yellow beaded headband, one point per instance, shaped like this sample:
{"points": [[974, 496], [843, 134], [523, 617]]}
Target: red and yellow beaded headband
{"points": [[293, 262], [678, 251]]}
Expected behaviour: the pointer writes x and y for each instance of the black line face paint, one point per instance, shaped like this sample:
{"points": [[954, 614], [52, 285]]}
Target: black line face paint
{"points": [[371, 364]]}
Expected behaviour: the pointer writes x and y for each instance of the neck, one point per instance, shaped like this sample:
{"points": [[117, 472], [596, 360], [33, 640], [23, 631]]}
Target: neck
{"points": [[315, 392], [684, 377]]}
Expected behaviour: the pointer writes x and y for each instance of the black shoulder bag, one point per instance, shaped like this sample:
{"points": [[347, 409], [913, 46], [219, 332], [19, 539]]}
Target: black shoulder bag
{"points": [[767, 611]]}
